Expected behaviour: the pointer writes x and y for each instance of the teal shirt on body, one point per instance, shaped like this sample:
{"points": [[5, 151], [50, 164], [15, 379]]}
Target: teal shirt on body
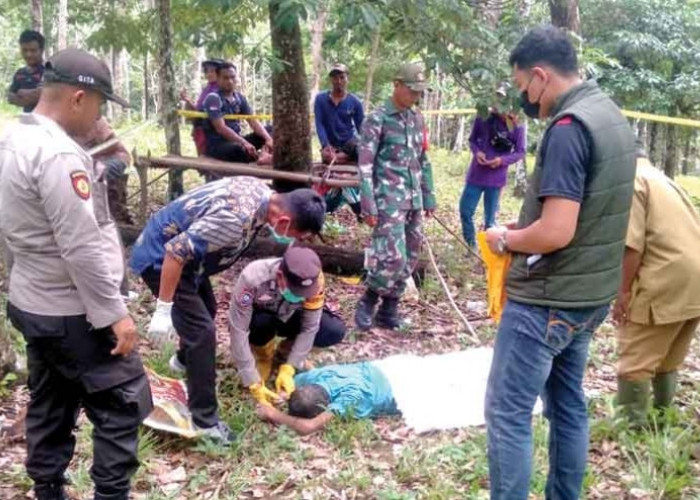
{"points": [[359, 390]]}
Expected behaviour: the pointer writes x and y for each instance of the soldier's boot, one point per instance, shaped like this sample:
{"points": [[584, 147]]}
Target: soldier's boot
{"points": [[633, 400], [50, 491], [664, 385], [263, 355], [364, 311], [388, 314]]}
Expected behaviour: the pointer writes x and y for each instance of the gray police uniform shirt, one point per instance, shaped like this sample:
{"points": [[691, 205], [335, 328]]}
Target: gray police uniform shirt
{"points": [[257, 289], [49, 225]]}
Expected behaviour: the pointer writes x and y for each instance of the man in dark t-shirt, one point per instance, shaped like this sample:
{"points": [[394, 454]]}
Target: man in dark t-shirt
{"points": [[224, 139], [25, 88]]}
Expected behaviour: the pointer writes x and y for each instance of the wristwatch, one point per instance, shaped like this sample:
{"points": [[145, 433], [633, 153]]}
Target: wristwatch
{"points": [[501, 244]]}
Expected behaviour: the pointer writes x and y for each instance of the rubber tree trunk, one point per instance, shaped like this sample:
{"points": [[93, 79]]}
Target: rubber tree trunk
{"points": [[318, 26], [62, 27], [290, 98], [565, 14], [671, 160], [520, 184], [168, 93], [376, 38], [146, 88], [37, 15]]}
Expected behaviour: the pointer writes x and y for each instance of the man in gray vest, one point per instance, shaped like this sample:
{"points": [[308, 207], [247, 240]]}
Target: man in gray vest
{"points": [[567, 251]]}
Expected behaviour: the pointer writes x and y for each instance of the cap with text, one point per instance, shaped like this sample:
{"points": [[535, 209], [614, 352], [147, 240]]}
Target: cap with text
{"points": [[74, 66]]}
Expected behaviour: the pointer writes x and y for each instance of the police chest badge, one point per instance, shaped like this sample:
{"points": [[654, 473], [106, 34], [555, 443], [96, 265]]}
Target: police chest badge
{"points": [[81, 183], [245, 298]]}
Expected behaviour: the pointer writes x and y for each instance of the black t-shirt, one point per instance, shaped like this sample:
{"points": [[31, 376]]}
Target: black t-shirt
{"points": [[215, 106], [566, 157], [27, 78]]}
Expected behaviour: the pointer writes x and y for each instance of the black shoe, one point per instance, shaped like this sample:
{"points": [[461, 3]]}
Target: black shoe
{"points": [[49, 491], [388, 315], [365, 310]]}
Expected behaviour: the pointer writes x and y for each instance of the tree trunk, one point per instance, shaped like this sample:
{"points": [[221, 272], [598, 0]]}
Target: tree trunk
{"points": [[376, 38], [686, 162], [168, 93], [37, 15], [520, 183], [62, 24], [146, 97], [116, 82], [126, 79], [458, 145], [653, 142], [671, 161], [565, 14], [290, 99], [317, 28]]}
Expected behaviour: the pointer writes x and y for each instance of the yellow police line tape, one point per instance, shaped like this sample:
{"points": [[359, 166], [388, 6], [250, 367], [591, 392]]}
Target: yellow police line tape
{"points": [[671, 120]]}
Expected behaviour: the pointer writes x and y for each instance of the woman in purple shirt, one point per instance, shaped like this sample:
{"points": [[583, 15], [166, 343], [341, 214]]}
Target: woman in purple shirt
{"points": [[496, 142]]}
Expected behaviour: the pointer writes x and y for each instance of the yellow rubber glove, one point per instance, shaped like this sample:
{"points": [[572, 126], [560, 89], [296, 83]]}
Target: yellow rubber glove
{"points": [[496, 272], [263, 395], [285, 379]]}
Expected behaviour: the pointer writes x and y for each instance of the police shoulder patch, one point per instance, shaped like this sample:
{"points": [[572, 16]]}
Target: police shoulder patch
{"points": [[567, 120], [245, 298], [81, 183]]}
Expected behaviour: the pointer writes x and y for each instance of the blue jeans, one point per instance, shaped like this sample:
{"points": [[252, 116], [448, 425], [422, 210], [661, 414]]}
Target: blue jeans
{"points": [[539, 351], [467, 206]]}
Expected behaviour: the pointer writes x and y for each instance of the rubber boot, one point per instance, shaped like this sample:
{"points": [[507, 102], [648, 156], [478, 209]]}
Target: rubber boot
{"points": [[263, 358], [664, 385], [49, 491], [633, 400], [388, 314], [365, 310]]}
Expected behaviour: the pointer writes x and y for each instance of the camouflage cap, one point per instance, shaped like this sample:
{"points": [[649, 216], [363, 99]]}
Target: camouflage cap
{"points": [[338, 68], [413, 76]]}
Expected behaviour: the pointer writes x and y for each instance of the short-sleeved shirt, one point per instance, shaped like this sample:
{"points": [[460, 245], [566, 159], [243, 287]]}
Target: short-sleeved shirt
{"points": [[257, 290], [337, 124], [566, 158], [207, 227], [49, 225], [217, 105], [664, 227], [359, 390], [27, 78]]}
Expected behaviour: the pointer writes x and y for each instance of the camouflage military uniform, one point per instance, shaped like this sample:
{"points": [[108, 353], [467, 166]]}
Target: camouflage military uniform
{"points": [[397, 185]]}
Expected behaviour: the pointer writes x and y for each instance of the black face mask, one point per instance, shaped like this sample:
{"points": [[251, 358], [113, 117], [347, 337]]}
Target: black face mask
{"points": [[531, 110]]}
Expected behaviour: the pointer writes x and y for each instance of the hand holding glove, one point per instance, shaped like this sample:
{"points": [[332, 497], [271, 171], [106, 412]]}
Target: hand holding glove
{"points": [[263, 395], [285, 379], [161, 329]]}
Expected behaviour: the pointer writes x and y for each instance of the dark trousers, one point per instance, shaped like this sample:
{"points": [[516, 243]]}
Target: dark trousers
{"points": [[193, 313], [265, 326], [70, 367], [234, 152]]}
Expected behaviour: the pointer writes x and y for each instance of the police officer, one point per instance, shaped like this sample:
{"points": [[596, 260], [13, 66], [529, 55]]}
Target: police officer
{"points": [[196, 236], [397, 186], [285, 297], [80, 337]]}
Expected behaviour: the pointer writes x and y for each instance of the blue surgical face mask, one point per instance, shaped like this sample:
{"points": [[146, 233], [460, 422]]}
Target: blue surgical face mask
{"points": [[290, 296], [279, 238]]}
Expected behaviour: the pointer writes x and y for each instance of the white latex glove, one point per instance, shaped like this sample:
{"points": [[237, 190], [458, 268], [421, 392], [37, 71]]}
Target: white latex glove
{"points": [[161, 329]]}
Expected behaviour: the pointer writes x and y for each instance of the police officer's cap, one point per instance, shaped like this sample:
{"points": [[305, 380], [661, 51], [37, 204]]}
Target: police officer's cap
{"points": [[80, 68], [301, 268]]}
